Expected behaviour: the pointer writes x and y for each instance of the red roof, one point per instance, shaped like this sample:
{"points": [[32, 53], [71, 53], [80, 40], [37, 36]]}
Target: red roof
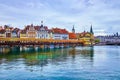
{"points": [[59, 31], [2, 31], [72, 36], [27, 27], [36, 27], [39, 27]]}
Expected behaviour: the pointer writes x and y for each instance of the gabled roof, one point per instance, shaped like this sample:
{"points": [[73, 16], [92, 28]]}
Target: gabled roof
{"points": [[40, 27], [23, 32], [2, 31], [16, 30], [72, 36], [8, 27], [84, 34], [45, 27], [37, 27]]}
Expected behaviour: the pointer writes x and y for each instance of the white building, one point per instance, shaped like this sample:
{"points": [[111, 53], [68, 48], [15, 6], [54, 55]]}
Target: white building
{"points": [[15, 33], [42, 32], [60, 34]]}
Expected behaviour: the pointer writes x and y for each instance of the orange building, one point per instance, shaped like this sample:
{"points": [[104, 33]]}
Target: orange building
{"points": [[72, 36]]}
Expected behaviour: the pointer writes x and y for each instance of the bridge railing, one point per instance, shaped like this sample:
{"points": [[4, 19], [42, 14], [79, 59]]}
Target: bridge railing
{"points": [[39, 40]]}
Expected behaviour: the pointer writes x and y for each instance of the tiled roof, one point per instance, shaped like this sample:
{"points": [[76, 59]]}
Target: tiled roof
{"points": [[84, 34], [59, 31], [40, 27], [2, 31], [23, 31], [37, 27], [46, 28], [15, 30], [72, 36], [27, 27]]}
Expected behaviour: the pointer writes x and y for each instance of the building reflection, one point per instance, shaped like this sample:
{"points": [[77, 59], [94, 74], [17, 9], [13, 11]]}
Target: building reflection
{"points": [[41, 57], [87, 52]]}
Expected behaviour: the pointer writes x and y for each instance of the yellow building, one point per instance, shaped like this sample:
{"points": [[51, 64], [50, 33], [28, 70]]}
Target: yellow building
{"points": [[23, 34], [87, 37]]}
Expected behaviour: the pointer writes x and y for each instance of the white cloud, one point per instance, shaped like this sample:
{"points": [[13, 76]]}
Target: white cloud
{"points": [[102, 14]]}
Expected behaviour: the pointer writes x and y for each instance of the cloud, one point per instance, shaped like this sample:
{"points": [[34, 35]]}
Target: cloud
{"points": [[102, 14]]}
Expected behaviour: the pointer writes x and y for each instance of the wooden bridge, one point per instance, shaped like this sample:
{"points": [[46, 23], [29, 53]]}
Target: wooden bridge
{"points": [[37, 42]]}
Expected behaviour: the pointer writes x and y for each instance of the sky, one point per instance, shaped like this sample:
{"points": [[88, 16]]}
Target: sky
{"points": [[104, 15]]}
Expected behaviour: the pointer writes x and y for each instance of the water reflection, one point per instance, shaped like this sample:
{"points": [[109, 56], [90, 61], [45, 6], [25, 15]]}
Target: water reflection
{"points": [[36, 56], [78, 63]]}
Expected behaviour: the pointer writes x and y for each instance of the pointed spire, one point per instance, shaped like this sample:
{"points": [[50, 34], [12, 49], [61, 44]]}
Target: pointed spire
{"points": [[41, 23], [73, 29], [84, 31], [31, 25], [91, 30]]}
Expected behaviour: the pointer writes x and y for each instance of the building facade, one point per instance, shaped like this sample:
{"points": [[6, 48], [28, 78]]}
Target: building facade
{"points": [[2, 33], [8, 31], [23, 34], [15, 33], [30, 31], [42, 32], [60, 34], [109, 38], [87, 37]]}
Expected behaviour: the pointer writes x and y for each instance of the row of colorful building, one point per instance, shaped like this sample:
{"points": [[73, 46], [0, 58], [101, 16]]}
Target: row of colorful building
{"points": [[43, 32]]}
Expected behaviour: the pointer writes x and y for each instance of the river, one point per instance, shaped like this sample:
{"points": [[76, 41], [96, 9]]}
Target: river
{"points": [[78, 63]]}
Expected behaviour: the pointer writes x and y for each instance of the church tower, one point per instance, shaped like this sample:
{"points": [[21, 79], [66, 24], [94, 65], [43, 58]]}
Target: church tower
{"points": [[91, 30], [73, 29]]}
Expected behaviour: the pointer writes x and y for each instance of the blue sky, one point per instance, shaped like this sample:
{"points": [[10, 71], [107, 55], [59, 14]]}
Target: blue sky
{"points": [[104, 15]]}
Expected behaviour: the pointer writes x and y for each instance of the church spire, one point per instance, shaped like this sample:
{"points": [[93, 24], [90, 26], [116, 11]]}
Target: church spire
{"points": [[91, 30], [41, 23], [73, 29]]}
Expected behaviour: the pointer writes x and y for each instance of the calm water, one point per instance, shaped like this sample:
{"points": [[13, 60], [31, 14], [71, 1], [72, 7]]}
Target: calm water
{"points": [[80, 63]]}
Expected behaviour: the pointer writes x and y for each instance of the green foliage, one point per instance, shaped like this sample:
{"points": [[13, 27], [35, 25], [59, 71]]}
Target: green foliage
{"points": [[97, 40]]}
